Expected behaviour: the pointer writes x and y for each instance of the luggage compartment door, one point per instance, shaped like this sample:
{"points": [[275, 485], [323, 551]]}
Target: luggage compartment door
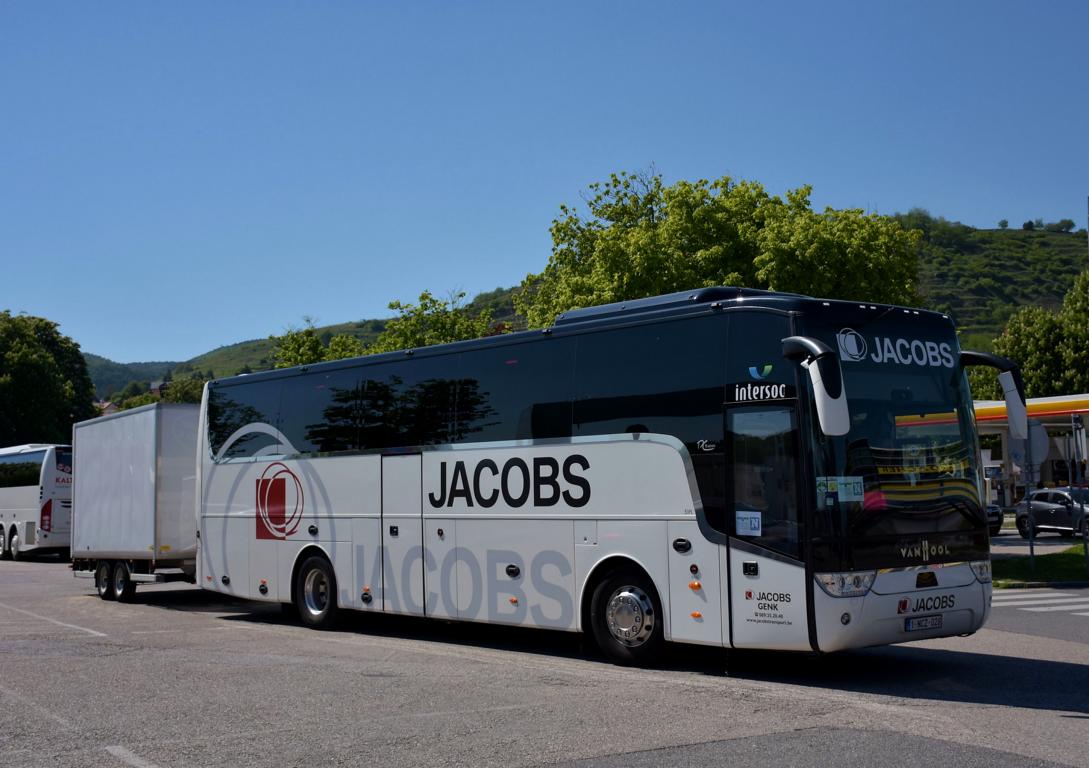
{"points": [[402, 535]]}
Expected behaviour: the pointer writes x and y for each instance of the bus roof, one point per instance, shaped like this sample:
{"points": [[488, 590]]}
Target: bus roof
{"points": [[29, 447], [679, 304]]}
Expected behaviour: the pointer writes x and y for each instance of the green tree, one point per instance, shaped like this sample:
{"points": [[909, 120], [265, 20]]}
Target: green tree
{"points": [[641, 238], [431, 321], [1003, 223], [1029, 225], [298, 346], [136, 401], [1062, 225], [44, 384], [188, 390], [343, 346]]}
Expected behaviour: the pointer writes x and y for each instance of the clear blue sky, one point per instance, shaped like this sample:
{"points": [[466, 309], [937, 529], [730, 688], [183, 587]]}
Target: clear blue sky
{"points": [[179, 176]]}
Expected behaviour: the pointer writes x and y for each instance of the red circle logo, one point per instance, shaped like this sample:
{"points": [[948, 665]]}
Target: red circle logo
{"points": [[279, 502]]}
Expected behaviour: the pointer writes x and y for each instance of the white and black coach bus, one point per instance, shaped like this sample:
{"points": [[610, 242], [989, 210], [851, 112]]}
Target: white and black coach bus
{"points": [[726, 466], [35, 500]]}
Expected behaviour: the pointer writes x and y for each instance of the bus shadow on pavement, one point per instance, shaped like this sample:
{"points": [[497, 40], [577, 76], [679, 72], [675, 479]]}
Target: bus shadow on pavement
{"points": [[903, 671], [194, 600], [927, 674]]}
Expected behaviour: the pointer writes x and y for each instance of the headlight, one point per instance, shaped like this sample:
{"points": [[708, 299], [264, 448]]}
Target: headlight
{"points": [[847, 584], [982, 570]]}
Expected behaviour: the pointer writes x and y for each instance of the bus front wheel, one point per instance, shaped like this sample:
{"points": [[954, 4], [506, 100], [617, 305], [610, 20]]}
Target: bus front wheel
{"points": [[626, 617], [316, 593]]}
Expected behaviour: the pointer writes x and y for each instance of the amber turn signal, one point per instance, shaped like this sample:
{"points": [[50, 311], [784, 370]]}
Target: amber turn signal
{"points": [[697, 615], [694, 586]]}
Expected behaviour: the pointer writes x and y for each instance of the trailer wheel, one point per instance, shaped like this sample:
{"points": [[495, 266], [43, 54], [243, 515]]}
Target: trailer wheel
{"points": [[103, 573], [13, 545], [122, 587], [3, 544], [626, 617], [316, 593]]}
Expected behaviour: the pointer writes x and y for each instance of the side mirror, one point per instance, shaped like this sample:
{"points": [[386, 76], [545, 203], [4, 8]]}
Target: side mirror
{"points": [[818, 359], [1013, 389]]}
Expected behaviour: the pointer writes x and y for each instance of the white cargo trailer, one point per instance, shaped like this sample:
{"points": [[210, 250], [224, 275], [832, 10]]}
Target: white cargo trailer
{"points": [[134, 498]]}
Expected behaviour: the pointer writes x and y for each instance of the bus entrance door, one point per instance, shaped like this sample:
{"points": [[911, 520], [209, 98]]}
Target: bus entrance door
{"points": [[402, 535]]}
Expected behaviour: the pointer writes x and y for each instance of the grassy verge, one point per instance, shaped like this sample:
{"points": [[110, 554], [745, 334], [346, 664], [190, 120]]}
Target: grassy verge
{"points": [[1068, 565]]}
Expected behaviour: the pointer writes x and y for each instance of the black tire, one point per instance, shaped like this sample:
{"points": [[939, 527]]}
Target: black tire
{"points": [[103, 579], [14, 542], [996, 530], [3, 545], [626, 617], [316, 594], [121, 586], [1023, 527]]}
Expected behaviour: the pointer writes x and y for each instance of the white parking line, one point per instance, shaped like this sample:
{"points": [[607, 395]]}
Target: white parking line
{"points": [[1021, 599], [1082, 604], [53, 621], [1041, 601], [63, 723], [129, 757]]}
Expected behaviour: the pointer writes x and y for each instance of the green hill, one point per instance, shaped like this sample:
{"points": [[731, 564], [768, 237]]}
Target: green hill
{"points": [[982, 276], [978, 276], [109, 376]]}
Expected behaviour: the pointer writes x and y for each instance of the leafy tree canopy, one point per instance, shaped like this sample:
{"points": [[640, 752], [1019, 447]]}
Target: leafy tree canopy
{"points": [[44, 384], [432, 321], [641, 238]]}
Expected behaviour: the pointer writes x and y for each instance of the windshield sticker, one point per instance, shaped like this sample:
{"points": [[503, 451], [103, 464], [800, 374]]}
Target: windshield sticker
{"points": [[748, 522], [841, 488], [759, 393], [854, 348]]}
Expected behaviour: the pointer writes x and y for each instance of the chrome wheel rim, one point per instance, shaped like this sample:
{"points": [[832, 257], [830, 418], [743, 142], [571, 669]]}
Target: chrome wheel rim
{"points": [[15, 545], [102, 578], [316, 593], [120, 580], [629, 615]]}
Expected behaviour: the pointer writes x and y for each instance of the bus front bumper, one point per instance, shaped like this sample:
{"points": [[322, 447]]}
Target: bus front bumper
{"points": [[899, 617]]}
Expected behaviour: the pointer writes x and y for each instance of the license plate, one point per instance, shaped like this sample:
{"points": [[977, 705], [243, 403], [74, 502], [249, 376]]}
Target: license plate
{"points": [[922, 622]]}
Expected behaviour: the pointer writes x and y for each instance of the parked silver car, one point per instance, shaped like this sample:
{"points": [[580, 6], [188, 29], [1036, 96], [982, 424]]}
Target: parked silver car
{"points": [[1057, 510]]}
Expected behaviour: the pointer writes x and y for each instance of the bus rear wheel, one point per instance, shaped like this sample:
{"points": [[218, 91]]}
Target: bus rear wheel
{"points": [[316, 593], [122, 587], [3, 545], [626, 617], [103, 573]]}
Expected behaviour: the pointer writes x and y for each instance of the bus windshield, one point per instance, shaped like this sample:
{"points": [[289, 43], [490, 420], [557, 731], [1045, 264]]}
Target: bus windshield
{"points": [[902, 487]]}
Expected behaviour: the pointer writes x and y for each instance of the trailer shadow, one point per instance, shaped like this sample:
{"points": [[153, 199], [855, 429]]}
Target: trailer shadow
{"points": [[910, 672]]}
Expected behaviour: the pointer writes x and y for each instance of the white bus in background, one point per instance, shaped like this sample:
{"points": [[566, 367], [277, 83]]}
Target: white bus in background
{"points": [[728, 467], [35, 499]]}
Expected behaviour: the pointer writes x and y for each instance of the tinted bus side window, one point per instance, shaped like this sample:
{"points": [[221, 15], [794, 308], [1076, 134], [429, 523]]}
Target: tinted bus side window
{"points": [[662, 378], [21, 469], [242, 407], [411, 403], [324, 412], [516, 392]]}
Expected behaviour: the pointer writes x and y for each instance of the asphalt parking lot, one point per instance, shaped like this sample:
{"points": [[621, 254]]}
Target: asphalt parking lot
{"points": [[187, 678]]}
